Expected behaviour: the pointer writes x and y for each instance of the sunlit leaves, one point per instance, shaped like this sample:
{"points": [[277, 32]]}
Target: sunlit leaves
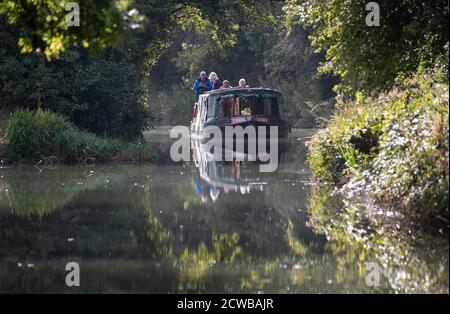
{"points": [[393, 148], [102, 22], [369, 58], [47, 32]]}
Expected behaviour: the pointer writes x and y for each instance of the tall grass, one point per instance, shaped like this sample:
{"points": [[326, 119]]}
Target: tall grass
{"points": [[33, 135]]}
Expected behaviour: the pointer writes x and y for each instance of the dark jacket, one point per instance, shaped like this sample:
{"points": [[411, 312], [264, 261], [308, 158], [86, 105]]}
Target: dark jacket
{"points": [[217, 84]]}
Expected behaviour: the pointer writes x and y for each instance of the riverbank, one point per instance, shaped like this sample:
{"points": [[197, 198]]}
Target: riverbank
{"points": [[33, 136], [393, 149]]}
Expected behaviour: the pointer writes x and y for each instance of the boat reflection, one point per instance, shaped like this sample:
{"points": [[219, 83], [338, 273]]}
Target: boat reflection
{"points": [[241, 174]]}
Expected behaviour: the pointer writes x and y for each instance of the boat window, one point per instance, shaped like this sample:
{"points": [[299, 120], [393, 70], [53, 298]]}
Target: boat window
{"points": [[226, 106], [210, 109], [281, 107], [258, 107], [203, 109], [271, 107], [245, 105]]}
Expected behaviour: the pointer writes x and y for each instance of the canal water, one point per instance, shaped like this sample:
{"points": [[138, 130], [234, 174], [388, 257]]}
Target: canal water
{"points": [[203, 226]]}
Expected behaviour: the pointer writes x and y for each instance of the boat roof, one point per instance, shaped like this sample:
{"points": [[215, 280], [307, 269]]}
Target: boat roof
{"points": [[240, 91]]}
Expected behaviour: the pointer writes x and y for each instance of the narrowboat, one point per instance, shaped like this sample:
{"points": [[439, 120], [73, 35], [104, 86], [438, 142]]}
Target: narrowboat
{"points": [[239, 107]]}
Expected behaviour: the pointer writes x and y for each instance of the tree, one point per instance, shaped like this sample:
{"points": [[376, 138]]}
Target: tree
{"points": [[98, 94], [412, 34], [45, 29], [264, 53], [98, 74], [103, 22]]}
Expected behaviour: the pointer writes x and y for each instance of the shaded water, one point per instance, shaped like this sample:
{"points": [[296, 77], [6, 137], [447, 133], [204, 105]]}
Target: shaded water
{"points": [[174, 227]]}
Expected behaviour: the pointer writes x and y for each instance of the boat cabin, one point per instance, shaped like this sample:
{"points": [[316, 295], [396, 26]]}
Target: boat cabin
{"points": [[239, 106]]}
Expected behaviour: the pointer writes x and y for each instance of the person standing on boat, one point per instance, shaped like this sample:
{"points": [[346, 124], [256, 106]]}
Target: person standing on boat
{"points": [[215, 81], [201, 85], [226, 84], [243, 83], [227, 102]]}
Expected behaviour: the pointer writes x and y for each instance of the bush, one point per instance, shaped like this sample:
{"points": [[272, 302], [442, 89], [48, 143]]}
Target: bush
{"points": [[173, 106], [395, 147], [349, 142], [33, 135]]}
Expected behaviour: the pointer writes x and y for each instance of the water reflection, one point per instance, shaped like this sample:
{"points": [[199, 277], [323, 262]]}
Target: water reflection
{"points": [[217, 176], [409, 259], [198, 227]]}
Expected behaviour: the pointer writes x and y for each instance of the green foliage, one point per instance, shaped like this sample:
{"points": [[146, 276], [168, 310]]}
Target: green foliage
{"points": [[265, 55], [348, 143], [412, 33], [395, 146], [46, 30], [35, 135], [149, 68], [290, 65], [101, 95], [412, 169], [103, 23], [173, 106]]}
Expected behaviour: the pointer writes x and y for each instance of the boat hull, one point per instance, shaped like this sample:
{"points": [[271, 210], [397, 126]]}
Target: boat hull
{"points": [[256, 122]]}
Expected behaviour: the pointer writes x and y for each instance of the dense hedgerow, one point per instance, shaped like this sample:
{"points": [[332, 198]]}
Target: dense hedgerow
{"points": [[33, 135], [395, 147]]}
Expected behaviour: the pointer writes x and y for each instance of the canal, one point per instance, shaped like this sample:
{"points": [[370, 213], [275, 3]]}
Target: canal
{"points": [[214, 227]]}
